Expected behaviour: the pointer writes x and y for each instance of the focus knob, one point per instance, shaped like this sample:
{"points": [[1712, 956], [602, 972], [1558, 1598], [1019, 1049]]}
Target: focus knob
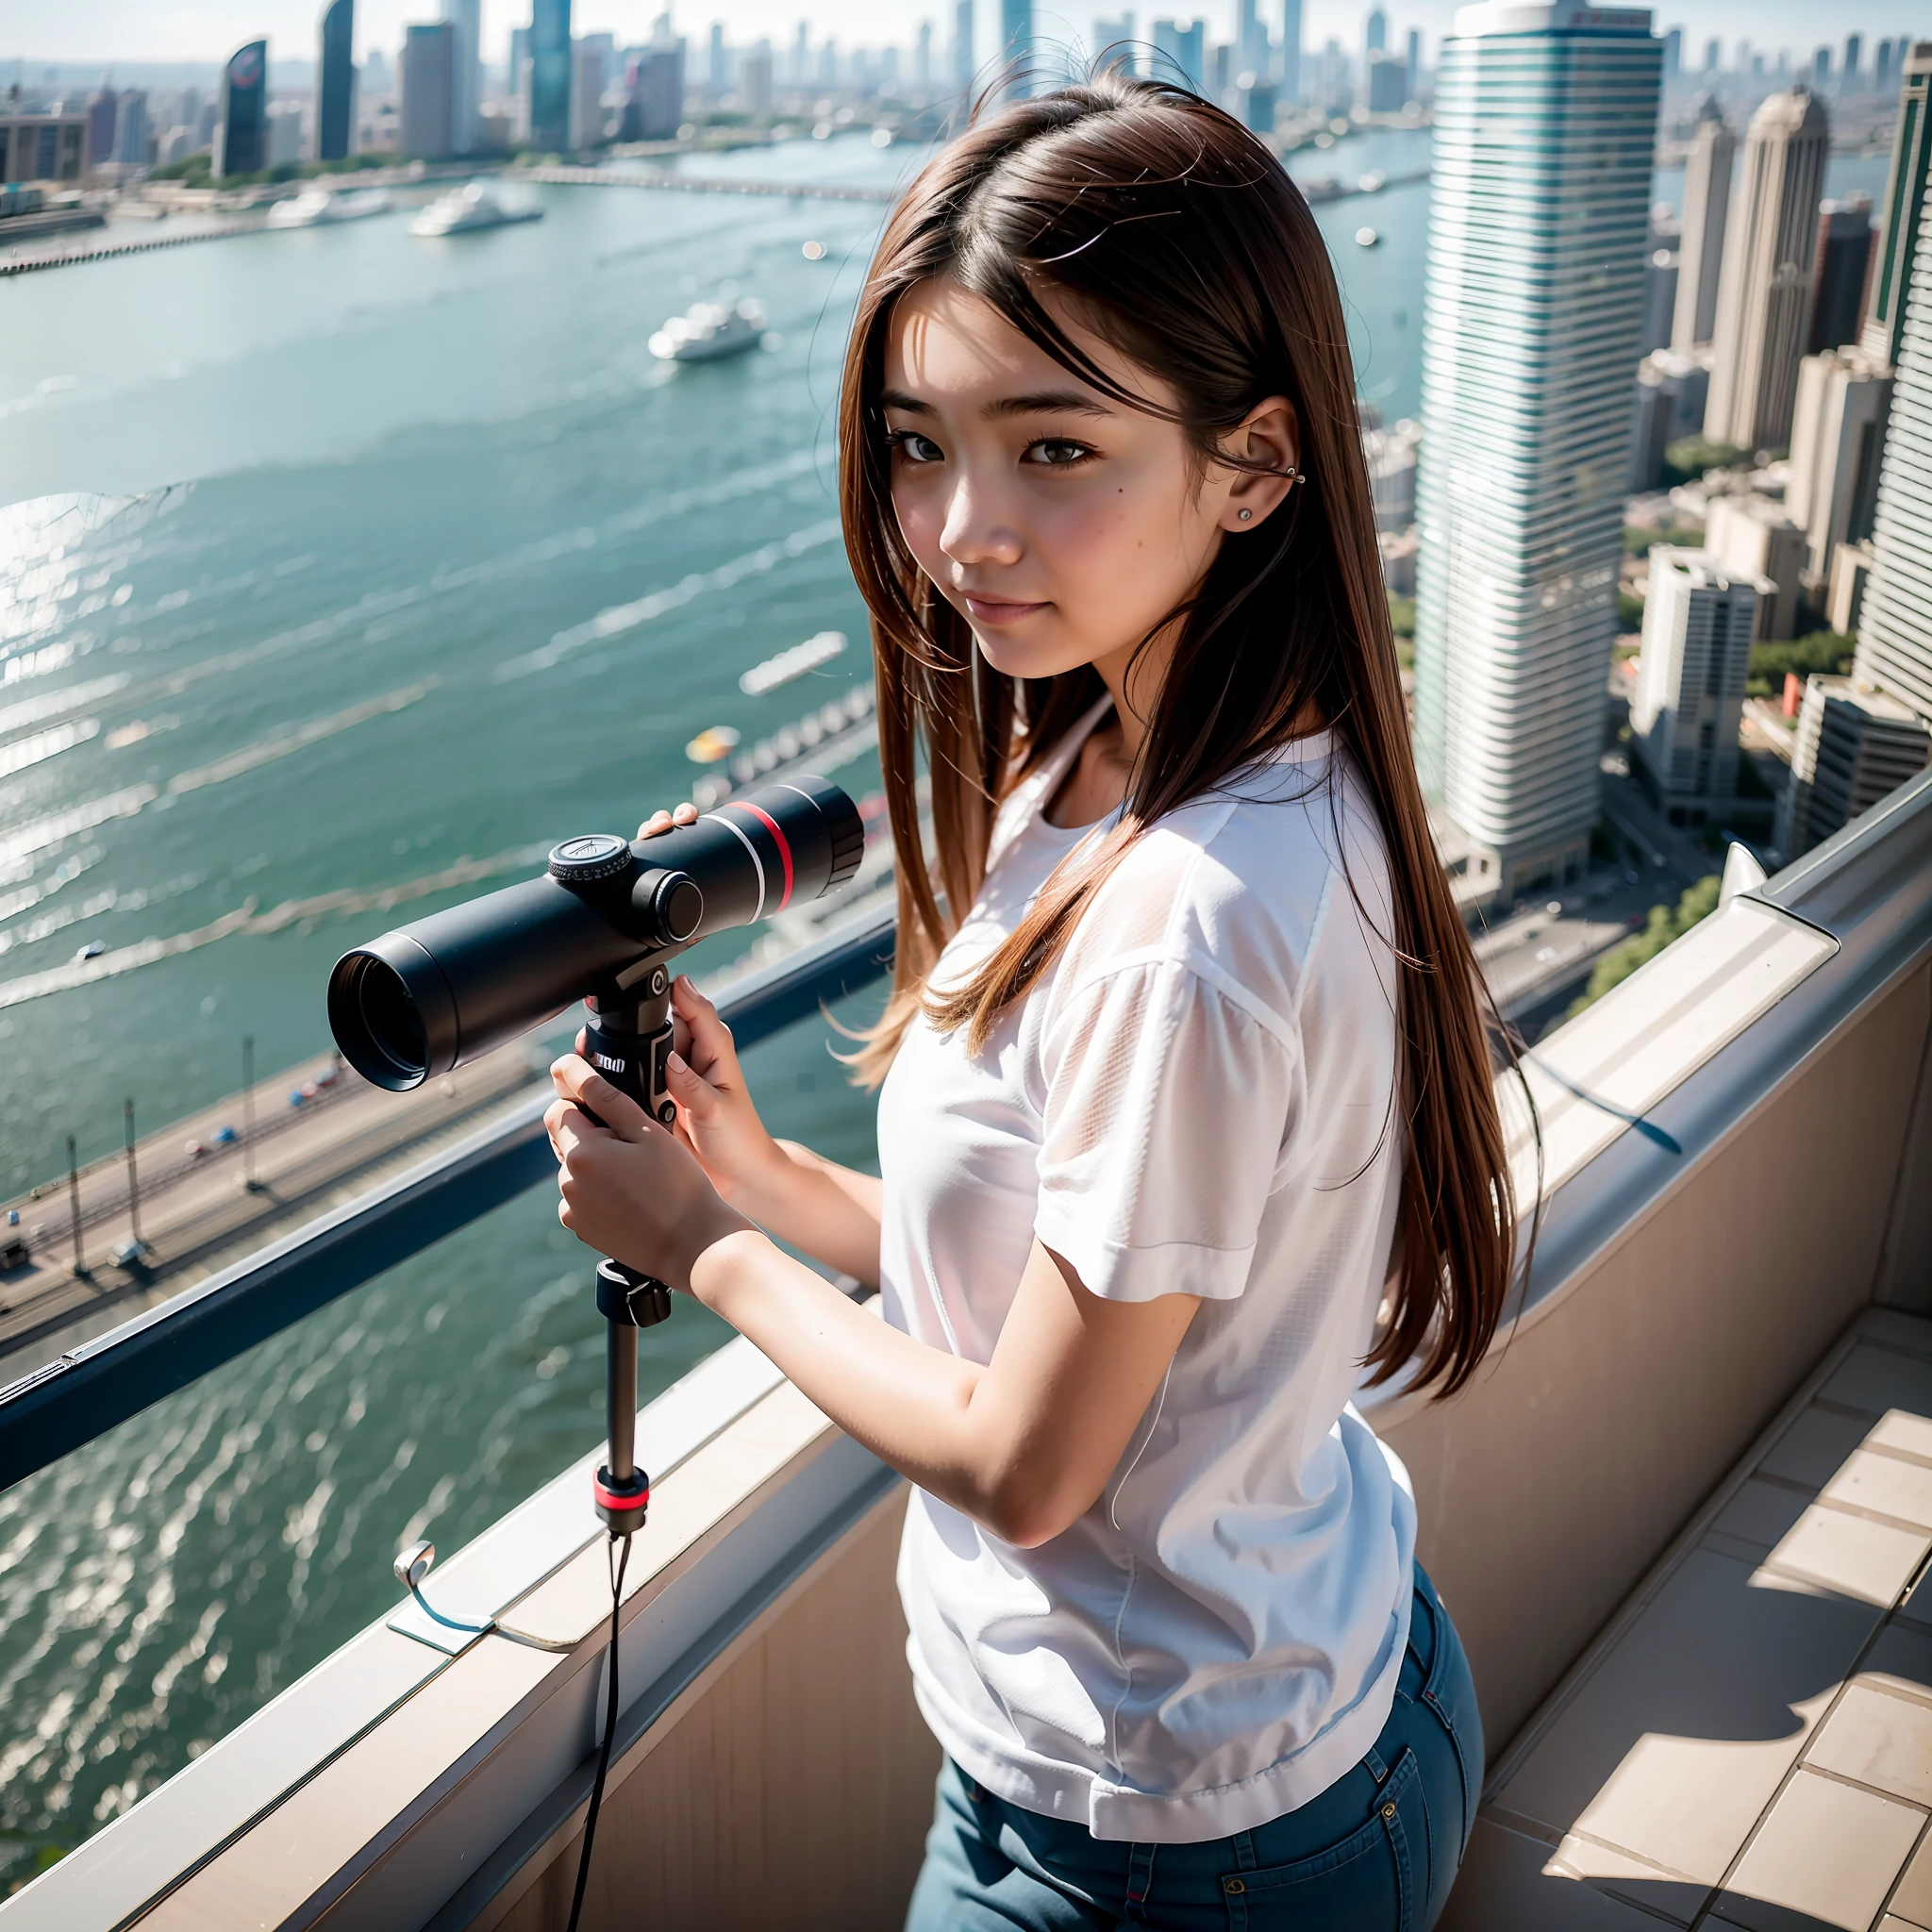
{"points": [[585, 861]]}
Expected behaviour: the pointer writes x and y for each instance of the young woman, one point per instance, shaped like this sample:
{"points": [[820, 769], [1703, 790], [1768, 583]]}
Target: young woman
{"points": [[1188, 1110]]}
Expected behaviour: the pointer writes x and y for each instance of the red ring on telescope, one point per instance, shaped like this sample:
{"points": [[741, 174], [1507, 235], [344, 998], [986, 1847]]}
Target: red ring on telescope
{"points": [[609, 1499], [771, 825]]}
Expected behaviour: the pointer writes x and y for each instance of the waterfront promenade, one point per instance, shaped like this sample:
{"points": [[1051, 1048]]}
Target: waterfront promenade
{"points": [[199, 1211]]}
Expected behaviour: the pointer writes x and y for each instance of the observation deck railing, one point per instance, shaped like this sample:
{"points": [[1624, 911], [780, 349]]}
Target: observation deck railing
{"points": [[87, 1390]]}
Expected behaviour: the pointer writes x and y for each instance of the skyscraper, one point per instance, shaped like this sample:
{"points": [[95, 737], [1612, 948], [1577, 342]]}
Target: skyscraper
{"points": [[1850, 78], [130, 130], [1706, 202], [1895, 625], [550, 75], [1016, 47], [1290, 52], [1534, 300], [1412, 62], [965, 64], [1179, 52], [1764, 295], [1752, 537], [1852, 746], [1113, 42], [427, 74], [1838, 272], [1674, 54], [335, 82], [592, 56], [1838, 447], [1905, 208], [1698, 622], [465, 18], [755, 78], [103, 112], [244, 110]]}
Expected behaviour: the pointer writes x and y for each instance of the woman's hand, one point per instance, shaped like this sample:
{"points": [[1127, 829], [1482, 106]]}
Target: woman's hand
{"points": [[629, 1189], [827, 1210], [716, 1118]]}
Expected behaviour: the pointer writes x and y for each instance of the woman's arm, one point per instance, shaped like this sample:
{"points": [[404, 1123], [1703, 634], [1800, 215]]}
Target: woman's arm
{"points": [[1025, 1445]]}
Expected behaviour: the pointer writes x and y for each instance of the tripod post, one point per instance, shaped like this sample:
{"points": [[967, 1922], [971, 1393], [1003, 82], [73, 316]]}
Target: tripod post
{"points": [[628, 1043]]}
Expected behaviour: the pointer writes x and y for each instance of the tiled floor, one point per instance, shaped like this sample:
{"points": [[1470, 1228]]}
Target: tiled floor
{"points": [[1750, 1744]]}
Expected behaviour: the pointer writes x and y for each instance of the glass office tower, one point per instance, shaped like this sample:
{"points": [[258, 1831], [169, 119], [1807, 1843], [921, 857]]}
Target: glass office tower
{"points": [[1532, 316], [1016, 47], [242, 123], [335, 83], [550, 62]]}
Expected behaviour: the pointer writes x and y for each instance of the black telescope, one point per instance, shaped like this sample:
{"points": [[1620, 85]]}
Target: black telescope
{"points": [[445, 989]]}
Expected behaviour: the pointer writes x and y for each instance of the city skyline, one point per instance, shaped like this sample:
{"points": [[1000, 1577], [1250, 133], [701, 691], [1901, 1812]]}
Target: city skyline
{"points": [[128, 30]]}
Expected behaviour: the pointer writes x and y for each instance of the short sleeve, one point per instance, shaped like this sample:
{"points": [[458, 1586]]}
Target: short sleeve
{"points": [[1167, 1112]]}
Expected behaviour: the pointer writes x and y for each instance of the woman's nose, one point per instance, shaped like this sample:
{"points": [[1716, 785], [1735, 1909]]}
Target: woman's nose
{"points": [[975, 532]]}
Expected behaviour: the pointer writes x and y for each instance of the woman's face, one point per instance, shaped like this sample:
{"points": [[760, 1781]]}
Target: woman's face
{"points": [[1063, 526]]}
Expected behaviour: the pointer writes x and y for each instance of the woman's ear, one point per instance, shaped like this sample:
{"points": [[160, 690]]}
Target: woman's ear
{"points": [[1269, 435]]}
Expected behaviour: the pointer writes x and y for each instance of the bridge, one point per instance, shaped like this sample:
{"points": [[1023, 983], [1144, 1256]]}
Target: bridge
{"points": [[706, 184]]}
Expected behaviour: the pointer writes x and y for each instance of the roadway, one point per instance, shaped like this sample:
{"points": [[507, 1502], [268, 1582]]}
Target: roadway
{"points": [[1537, 957]]}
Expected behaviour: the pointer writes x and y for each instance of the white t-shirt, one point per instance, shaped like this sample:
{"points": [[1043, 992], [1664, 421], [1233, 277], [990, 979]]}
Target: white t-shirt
{"points": [[1198, 1099]]}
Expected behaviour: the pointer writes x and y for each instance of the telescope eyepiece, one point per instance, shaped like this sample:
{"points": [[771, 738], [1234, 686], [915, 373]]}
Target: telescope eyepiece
{"points": [[670, 907]]}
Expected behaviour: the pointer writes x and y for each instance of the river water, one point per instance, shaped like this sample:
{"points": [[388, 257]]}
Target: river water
{"points": [[390, 486]]}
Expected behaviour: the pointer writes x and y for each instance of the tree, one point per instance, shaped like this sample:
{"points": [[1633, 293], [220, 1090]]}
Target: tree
{"points": [[1664, 925], [1823, 651]]}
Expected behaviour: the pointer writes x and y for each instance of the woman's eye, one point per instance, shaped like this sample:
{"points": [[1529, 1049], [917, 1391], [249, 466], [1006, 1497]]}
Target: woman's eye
{"points": [[916, 448], [1055, 453]]}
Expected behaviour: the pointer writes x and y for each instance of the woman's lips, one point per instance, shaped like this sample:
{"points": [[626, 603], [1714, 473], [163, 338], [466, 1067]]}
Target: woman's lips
{"points": [[997, 610]]}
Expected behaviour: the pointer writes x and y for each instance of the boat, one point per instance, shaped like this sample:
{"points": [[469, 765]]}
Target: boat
{"points": [[712, 745], [1367, 238], [316, 208], [708, 331], [475, 205]]}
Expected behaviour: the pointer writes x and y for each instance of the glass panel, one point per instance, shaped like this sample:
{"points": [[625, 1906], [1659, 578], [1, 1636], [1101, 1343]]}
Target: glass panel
{"points": [[162, 1584]]}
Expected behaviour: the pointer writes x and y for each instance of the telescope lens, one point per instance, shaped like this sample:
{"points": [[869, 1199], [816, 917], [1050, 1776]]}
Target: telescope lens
{"points": [[392, 1027]]}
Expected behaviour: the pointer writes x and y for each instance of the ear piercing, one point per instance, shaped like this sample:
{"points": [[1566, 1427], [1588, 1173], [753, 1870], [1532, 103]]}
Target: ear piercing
{"points": [[1246, 514]]}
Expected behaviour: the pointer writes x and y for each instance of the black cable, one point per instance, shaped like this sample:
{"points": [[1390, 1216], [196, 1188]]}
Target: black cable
{"points": [[617, 1570]]}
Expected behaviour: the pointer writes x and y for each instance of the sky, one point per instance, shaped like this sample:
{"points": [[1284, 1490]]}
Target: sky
{"points": [[128, 30]]}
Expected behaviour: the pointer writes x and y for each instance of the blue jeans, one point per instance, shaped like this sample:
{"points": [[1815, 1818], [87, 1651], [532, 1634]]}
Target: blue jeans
{"points": [[1379, 1849]]}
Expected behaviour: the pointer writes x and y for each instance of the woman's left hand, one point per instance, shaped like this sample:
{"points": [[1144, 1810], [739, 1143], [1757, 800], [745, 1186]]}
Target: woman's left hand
{"points": [[629, 1188]]}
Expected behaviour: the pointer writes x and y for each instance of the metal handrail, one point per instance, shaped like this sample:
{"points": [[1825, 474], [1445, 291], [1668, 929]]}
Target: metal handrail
{"points": [[90, 1389]]}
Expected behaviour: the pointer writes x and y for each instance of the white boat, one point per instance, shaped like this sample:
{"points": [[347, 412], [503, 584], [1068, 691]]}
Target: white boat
{"points": [[708, 331], [316, 208], [475, 205]]}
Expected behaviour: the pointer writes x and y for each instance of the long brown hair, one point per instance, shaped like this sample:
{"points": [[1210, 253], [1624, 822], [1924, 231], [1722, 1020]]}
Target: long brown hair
{"points": [[1181, 238]]}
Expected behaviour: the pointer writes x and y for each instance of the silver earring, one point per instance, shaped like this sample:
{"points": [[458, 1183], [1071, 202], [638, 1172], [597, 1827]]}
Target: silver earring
{"points": [[1246, 514]]}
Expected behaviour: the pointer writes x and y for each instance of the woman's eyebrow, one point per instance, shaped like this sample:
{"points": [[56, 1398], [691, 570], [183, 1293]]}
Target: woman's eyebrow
{"points": [[898, 399], [1046, 402]]}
